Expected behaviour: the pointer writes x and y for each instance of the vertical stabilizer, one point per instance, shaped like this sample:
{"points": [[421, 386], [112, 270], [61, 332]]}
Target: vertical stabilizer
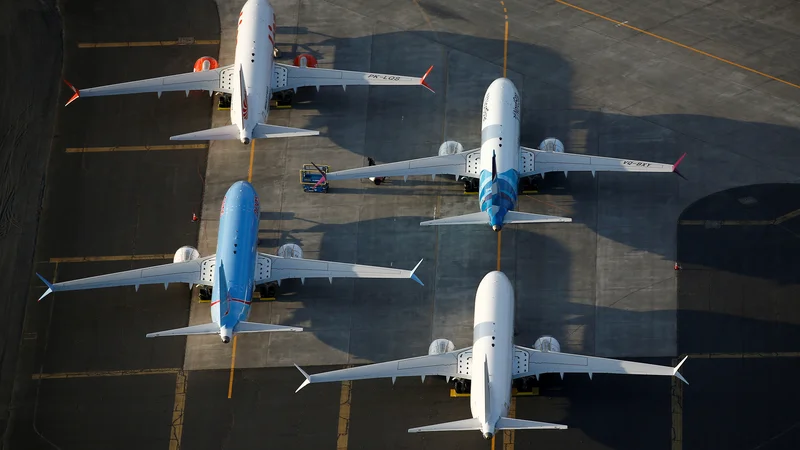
{"points": [[243, 93], [221, 288]]}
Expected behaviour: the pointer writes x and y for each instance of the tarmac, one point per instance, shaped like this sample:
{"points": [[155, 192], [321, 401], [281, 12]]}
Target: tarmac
{"points": [[602, 285]]}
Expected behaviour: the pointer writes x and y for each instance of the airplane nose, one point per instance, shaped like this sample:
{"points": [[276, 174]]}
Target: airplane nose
{"points": [[497, 227], [488, 436]]}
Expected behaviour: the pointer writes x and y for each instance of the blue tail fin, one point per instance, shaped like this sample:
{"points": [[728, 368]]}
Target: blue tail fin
{"points": [[221, 289]]}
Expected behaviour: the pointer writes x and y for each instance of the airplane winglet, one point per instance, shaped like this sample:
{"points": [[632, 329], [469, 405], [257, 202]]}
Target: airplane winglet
{"points": [[306, 382], [49, 287], [675, 370], [74, 96], [425, 83], [675, 166], [414, 277]]}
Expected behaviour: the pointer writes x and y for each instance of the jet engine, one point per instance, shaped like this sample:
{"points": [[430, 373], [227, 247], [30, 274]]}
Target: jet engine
{"points": [[290, 251], [450, 148], [205, 63], [547, 344], [305, 60], [440, 346], [185, 253], [552, 145]]}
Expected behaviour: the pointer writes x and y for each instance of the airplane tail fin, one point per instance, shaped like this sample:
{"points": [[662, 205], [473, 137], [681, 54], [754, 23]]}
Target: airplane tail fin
{"points": [[252, 327], [507, 423], [521, 217], [482, 218], [458, 425], [206, 328]]}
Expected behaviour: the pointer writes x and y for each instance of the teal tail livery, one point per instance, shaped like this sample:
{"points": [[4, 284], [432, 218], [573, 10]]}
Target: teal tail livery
{"points": [[234, 271], [500, 163]]}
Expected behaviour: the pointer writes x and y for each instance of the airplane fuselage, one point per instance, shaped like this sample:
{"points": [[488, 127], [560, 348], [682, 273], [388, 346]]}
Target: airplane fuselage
{"points": [[255, 41], [500, 125], [237, 250], [493, 335]]}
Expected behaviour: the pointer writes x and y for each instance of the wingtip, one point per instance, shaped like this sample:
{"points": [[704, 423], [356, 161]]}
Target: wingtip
{"points": [[306, 382], [425, 83], [675, 166], [413, 276], [49, 287], [678, 374], [76, 94]]}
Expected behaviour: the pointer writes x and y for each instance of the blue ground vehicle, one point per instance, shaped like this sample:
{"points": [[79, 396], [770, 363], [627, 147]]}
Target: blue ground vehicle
{"points": [[310, 176]]}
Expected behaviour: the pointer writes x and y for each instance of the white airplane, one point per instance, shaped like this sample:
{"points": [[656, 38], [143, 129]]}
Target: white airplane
{"points": [[500, 162], [233, 282], [491, 364], [251, 80]]}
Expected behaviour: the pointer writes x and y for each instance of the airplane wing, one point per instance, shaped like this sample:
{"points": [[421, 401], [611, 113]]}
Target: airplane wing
{"points": [[217, 80], [539, 162], [460, 164], [292, 77], [275, 268], [532, 362], [444, 364], [193, 272]]}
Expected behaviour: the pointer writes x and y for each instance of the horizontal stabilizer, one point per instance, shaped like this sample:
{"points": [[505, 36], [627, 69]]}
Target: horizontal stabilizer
{"points": [[212, 134], [482, 218], [458, 425], [264, 131], [206, 328], [478, 218], [507, 423], [521, 217], [252, 327]]}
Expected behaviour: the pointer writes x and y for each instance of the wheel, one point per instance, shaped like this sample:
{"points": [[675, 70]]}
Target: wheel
{"points": [[204, 293], [276, 52]]}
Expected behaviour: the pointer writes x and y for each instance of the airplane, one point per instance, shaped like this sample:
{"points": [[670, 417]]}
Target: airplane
{"points": [[491, 364], [251, 80], [499, 168], [234, 271]]}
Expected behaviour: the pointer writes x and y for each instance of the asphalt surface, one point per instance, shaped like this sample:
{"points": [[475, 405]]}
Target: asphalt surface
{"points": [[602, 285], [30, 39], [113, 204], [738, 291]]}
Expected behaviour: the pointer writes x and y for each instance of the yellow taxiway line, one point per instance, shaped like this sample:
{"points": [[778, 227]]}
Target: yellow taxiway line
{"points": [[103, 373], [345, 398], [178, 407], [233, 365], [179, 42], [81, 259], [662, 38], [136, 148]]}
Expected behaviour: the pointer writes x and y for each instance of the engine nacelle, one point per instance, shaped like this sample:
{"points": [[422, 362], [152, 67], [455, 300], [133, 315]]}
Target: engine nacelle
{"points": [[185, 253], [290, 251], [440, 346], [547, 344], [205, 63], [450, 148], [305, 60], [552, 145]]}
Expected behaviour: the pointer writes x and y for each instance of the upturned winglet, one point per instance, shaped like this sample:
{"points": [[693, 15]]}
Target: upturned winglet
{"points": [[49, 287], [675, 370], [307, 380], [425, 83], [76, 94], [414, 277], [675, 166]]}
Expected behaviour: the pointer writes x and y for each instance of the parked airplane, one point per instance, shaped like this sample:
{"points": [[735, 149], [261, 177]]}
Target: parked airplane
{"points": [[234, 271], [251, 80], [500, 162], [491, 364]]}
